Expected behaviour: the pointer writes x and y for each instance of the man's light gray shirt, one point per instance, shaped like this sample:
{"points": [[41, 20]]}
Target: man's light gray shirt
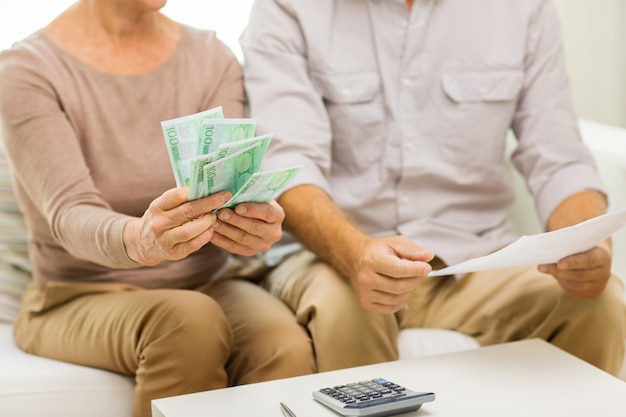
{"points": [[402, 116]]}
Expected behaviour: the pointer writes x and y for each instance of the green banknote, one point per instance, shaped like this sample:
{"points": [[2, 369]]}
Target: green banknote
{"points": [[215, 132], [181, 138], [226, 149], [198, 187], [211, 154], [231, 172], [263, 187]]}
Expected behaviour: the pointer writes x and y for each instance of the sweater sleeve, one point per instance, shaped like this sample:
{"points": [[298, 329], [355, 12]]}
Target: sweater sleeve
{"points": [[49, 168]]}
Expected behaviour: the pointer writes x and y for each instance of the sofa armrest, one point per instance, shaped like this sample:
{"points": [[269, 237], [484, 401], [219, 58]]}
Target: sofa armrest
{"points": [[608, 145]]}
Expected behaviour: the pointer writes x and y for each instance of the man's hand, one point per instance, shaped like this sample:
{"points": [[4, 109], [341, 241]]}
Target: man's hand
{"points": [[388, 271], [583, 275], [586, 274], [249, 228]]}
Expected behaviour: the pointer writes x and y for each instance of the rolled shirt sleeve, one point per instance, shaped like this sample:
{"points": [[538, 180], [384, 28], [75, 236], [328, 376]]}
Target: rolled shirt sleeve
{"points": [[550, 154], [287, 106]]}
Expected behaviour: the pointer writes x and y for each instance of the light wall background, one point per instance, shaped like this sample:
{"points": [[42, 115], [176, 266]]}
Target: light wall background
{"points": [[19, 18], [594, 33]]}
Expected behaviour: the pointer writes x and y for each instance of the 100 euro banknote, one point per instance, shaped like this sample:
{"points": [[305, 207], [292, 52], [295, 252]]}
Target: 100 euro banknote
{"points": [[263, 187], [182, 137], [212, 154], [215, 132], [198, 186], [231, 172]]}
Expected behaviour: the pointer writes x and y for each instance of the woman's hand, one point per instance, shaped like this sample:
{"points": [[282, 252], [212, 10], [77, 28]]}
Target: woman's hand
{"points": [[172, 227], [249, 228]]}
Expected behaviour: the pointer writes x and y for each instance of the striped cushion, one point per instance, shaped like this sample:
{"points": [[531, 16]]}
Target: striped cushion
{"points": [[15, 267]]}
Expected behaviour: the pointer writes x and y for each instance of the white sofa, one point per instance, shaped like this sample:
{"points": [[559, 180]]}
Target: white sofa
{"points": [[32, 386]]}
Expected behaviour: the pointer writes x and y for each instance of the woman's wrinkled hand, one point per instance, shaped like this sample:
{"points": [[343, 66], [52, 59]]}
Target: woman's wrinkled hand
{"points": [[172, 227]]}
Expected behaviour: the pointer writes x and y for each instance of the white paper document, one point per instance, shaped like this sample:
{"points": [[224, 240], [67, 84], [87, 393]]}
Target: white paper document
{"points": [[544, 248]]}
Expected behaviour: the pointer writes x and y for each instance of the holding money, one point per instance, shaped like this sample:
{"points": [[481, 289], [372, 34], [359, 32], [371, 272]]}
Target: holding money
{"points": [[198, 186], [211, 154], [231, 172], [263, 187], [201, 134]]}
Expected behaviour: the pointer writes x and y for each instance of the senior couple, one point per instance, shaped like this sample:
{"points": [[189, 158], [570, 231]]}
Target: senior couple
{"points": [[397, 111]]}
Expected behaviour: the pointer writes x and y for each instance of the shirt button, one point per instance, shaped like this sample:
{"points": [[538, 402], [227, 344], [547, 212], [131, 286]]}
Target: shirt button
{"points": [[407, 82], [346, 92]]}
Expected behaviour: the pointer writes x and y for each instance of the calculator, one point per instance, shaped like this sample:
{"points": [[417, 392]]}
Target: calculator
{"points": [[373, 398]]}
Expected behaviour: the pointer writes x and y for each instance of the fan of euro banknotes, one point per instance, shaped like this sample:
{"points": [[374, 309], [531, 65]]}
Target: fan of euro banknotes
{"points": [[210, 154]]}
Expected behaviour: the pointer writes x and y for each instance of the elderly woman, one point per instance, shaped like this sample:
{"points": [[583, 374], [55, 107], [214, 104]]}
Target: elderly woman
{"points": [[130, 275]]}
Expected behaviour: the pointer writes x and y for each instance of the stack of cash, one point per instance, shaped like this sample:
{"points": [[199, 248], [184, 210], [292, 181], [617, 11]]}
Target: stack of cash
{"points": [[210, 154]]}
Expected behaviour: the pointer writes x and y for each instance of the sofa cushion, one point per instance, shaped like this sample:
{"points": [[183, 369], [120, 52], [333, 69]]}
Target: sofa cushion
{"points": [[34, 386], [415, 343], [13, 281], [15, 267]]}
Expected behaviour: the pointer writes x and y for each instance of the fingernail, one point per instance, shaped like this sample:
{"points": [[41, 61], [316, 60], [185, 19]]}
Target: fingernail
{"points": [[226, 195], [241, 209], [224, 214]]}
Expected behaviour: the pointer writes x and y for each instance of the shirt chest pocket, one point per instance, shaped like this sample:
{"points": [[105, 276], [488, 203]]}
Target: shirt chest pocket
{"points": [[478, 109], [482, 86], [356, 113]]}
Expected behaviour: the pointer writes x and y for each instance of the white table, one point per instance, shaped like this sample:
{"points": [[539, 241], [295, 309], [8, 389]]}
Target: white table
{"points": [[527, 378]]}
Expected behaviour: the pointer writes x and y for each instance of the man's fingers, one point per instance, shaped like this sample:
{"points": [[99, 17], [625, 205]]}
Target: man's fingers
{"points": [[384, 294], [401, 259], [398, 286], [581, 283], [407, 250], [404, 268], [593, 258], [385, 303]]}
